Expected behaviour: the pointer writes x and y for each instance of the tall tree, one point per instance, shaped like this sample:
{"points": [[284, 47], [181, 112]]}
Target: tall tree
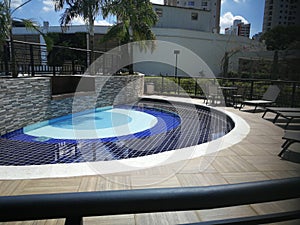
{"points": [[135, 18], [6, 25], [282, 38], [88, 10]]}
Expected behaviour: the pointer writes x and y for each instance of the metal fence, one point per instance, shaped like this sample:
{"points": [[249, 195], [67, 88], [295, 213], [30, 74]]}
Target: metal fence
{"points": [[254, 88], [35, 58]]}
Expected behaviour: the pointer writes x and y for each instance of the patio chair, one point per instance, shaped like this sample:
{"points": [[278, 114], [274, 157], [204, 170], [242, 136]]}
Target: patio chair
{"points": [[268, 98], [214, 95], [238, 97], [291, 137]]}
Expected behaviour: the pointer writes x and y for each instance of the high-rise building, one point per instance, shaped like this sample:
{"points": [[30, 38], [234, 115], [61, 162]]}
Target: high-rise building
{"points": [[239, 28], [214, 6], [281, 12]]}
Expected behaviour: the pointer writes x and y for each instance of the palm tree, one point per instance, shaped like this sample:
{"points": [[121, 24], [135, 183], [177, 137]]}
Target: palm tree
{"points": [[134, 20], [88, 10], [6, 24]]}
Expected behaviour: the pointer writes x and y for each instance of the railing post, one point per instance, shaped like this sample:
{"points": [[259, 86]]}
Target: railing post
{"points": [[73, 67], [251, 90], [5, 58], [31, 60], [74, 221], [162, 84], [293, 94], [178, 84], [195, 89], [54, 72]]}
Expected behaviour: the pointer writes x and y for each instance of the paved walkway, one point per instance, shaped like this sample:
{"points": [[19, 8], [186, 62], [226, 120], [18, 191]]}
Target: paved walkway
{"points": [[253, 159]]}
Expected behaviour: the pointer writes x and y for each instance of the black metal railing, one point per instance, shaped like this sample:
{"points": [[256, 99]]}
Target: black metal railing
{"points": [[35, 59], [193, 86], [75, 206]]}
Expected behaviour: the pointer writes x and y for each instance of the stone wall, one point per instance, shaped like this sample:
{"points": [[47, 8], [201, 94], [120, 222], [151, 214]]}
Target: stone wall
{"points": [[25, 101]]}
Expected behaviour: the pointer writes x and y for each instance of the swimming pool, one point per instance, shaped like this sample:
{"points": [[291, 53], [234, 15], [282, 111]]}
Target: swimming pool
{"points": [[158, 126]]}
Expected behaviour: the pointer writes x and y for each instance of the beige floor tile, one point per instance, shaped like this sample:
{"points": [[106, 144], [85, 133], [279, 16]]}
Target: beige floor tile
{"points": [[243, 177], [282, 174], [88, 184], [58, 185], [250, 149], [226, 213], [232, 164], [110, 220], [276, 207], [113, 182], [203, 179], [154, 181], [169, 218], [271, 163], [198, 165]]}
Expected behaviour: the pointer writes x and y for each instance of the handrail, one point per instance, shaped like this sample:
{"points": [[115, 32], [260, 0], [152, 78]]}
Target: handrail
{"points": [[74, 206]]}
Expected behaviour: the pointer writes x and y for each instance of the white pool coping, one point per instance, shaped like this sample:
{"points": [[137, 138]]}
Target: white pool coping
{"points": [[239, 132]]}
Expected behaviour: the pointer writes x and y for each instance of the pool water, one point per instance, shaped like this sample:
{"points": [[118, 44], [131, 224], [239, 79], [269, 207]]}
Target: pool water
{"points": [[93, 124], [113, 133]]}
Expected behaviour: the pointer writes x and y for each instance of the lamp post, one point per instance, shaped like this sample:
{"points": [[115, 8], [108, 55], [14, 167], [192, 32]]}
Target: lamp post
{"points": [[176, 52]]}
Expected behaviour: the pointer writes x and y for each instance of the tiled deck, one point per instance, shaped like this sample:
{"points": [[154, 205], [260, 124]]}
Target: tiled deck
{"points": [[253, 159]]}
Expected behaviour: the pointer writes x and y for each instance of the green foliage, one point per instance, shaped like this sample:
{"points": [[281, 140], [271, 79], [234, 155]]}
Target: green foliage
{"points": [[88, 10], [135, 19], [58, 56], [282, 38], [3, 22]]}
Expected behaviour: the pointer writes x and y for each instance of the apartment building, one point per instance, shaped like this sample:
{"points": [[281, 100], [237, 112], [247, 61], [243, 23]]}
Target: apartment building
{"points": [[281, 12], [239, 28]]}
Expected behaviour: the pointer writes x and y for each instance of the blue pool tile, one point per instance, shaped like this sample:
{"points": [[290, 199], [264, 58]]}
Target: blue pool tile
{"points": [[178, 126]]}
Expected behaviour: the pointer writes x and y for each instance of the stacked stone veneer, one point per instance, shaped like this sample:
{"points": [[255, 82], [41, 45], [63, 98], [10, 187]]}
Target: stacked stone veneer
{"points": [[25, 101]]}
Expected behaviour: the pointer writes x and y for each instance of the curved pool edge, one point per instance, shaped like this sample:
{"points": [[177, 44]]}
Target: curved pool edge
{"points": [[238, 133]]}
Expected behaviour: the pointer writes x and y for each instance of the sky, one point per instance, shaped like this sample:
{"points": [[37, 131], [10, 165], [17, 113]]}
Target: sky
{"points": [[249, 11]]}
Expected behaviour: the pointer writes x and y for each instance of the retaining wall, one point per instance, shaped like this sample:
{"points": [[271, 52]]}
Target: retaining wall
{"points": [[25, 101]]}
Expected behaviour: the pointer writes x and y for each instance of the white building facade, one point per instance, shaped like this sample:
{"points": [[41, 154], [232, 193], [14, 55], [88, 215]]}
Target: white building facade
{"points": [[183, 18], [213, 6]]}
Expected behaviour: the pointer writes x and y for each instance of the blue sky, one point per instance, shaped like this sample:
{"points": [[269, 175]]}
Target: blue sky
{"points": [[249, 11]]}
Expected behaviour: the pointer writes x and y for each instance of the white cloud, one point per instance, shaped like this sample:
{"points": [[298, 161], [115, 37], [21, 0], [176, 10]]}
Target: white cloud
{"points": [[103, 23], [15, 3], [48, 5], [239, 1], [80, 21], [226, 20], [161, 2], [223, 1]]}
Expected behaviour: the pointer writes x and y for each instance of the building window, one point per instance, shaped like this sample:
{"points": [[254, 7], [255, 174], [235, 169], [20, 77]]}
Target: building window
{"points": [[191, 3], [194, 16], [159, 12], [204, 3]]}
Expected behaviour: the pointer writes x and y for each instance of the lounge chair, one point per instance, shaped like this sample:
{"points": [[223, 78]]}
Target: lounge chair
{"points": [[268, 98], [279, 110], [291, 137], [287, 115]]}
